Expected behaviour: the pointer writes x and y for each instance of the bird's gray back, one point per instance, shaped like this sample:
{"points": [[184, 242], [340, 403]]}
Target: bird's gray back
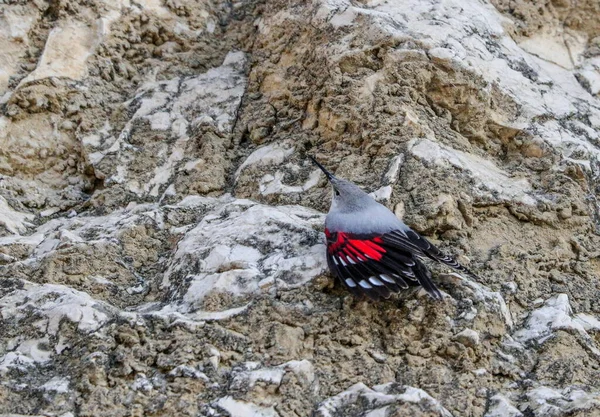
{"points": [[374, 218]]}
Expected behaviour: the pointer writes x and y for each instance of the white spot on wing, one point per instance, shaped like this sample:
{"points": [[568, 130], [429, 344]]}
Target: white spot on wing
{"points": [[365, 284], [376, 281], [350, 282], [386, 278]]}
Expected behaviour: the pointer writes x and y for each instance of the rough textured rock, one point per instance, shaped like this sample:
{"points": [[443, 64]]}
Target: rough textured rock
{"points": [[160, 225]]}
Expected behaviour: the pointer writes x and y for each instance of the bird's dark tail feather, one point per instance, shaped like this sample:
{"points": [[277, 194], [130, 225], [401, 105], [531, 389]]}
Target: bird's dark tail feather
{"points": [[424, 277], [439, 256], [458, 267]]}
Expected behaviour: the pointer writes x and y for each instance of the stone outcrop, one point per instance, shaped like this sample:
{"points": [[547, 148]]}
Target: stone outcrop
{"points": [[161, 246]]}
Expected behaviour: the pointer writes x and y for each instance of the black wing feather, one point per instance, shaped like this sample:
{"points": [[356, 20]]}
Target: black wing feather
{"points": [[412, 240]]}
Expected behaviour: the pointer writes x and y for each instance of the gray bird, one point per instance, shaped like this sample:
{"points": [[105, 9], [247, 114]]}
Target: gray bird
{"points": [[373, 252]]}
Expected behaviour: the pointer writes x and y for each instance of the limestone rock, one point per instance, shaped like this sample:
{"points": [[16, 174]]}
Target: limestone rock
{"points": [[161, 246]]}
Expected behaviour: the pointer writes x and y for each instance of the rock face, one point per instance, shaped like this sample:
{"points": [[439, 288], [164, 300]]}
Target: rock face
{"points": [[161, 246]]}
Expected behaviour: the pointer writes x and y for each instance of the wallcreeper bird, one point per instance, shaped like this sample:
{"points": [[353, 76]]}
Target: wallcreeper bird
{"points": [[372, 251]]}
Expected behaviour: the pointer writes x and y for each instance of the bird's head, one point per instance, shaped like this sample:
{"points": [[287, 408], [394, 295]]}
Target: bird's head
{"points": [[347, 196]]}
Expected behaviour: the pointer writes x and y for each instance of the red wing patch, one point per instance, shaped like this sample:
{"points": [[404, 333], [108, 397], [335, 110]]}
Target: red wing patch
{"points": [[358, 250]]}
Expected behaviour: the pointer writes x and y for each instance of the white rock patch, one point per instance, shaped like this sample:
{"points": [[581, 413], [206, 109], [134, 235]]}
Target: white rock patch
{"points": [[208, 99], [14, 221], [502, 407], [54, 303], [237, 408], [493, 182], [379, 399], [58, 61], [549, 402], [272, 154], [556, 314], [57, 385], [241, 246]]}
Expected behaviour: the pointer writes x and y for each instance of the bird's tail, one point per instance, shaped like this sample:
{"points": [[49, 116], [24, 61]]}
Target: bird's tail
{"points": [[439, 256], [424, 277], [453, 263]]}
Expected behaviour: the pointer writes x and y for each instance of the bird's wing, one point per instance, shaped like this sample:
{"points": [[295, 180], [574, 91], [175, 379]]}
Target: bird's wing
{"points": [[376, 266], [412, 241]]}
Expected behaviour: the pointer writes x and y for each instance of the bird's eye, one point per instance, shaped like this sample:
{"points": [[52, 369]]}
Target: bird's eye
{"points": [[336, 192]]}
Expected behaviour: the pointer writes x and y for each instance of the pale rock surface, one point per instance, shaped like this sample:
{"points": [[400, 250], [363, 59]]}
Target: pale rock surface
{"points": [[382, 400], [208, 101], [502, 407], [161, 246], [13, 221]]}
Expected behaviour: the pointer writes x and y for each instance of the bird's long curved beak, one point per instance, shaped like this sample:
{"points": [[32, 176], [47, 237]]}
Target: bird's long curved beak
{"points": [[328, 174]]}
